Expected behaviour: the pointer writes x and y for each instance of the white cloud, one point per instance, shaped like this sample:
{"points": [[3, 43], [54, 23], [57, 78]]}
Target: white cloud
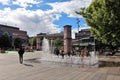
{"points": [[5, 2], [70, 7], [33, 22], [21, 3], [26, 3], [38, 21]]}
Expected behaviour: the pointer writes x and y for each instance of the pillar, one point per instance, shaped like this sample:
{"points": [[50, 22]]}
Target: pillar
{"points": [[67, 39]]}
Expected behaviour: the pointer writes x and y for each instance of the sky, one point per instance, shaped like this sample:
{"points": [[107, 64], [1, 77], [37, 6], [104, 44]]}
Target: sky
{"points": [[42, 16]]}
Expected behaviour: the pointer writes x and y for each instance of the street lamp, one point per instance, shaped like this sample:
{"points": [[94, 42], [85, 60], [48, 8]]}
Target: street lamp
{"points": [[78, 21], [79, 41]]}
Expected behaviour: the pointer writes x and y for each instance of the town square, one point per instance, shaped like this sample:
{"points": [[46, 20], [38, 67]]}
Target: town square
{"points": [[59, 40]]}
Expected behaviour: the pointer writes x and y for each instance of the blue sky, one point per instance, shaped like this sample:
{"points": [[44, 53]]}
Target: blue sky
{"points": [[36, 16]]}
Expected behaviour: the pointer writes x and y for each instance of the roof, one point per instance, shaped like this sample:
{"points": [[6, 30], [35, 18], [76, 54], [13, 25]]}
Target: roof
{"points": [[1, 25]]}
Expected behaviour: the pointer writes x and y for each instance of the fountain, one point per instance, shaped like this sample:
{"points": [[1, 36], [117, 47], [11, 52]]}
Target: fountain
{"points": [[47, 56], [46, 50]]}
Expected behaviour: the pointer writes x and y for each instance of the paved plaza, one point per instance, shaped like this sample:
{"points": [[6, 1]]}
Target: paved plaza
{"points": [[11, 69]]}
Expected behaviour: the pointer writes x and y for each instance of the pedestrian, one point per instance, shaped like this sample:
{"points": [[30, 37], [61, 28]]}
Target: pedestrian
{"points": [[21, 52], [62, 53], [56, 51]]}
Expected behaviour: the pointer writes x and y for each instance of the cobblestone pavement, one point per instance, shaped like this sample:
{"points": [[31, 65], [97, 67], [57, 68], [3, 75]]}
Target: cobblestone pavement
{"points": [[11, 69]]}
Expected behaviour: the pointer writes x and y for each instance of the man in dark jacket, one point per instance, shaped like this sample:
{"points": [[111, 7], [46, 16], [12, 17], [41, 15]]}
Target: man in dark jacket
{"points": [[21, 52]]}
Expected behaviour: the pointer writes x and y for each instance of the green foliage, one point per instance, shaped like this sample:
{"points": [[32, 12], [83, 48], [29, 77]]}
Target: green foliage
{"points": [[18, 42], [103, 16], [32, 41], [5, 41], [58, 43]]}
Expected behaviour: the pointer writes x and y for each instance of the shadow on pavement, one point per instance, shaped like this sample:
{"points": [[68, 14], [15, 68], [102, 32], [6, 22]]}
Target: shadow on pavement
{"points": [[28, 65]]}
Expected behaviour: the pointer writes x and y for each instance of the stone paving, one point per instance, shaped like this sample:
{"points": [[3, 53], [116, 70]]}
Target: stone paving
{"points": [[11, 69]]}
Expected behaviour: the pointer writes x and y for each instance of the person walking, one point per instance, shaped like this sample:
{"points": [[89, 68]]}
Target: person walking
{"points": [[21, 52], [62, 53]]}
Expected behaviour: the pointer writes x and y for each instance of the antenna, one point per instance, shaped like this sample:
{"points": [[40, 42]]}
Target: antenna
{"points": [[78, 21]]}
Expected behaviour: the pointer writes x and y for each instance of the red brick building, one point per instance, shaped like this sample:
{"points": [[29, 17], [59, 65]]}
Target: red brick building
{"points": [[14, 32]]}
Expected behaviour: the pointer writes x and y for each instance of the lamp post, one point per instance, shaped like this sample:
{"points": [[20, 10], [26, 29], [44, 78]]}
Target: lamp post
{"points": [[78, 21], [79, 40]]}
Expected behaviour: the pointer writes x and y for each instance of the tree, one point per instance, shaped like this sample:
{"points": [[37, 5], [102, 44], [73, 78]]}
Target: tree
{"points": [[58, 43], [103, 16], [18, 42], [5, 41], [32, 41]]}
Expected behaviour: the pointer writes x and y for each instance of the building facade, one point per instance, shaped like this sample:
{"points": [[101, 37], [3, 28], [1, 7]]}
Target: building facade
{"points": [[14, 32], [85, 38], [39, 39]]}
